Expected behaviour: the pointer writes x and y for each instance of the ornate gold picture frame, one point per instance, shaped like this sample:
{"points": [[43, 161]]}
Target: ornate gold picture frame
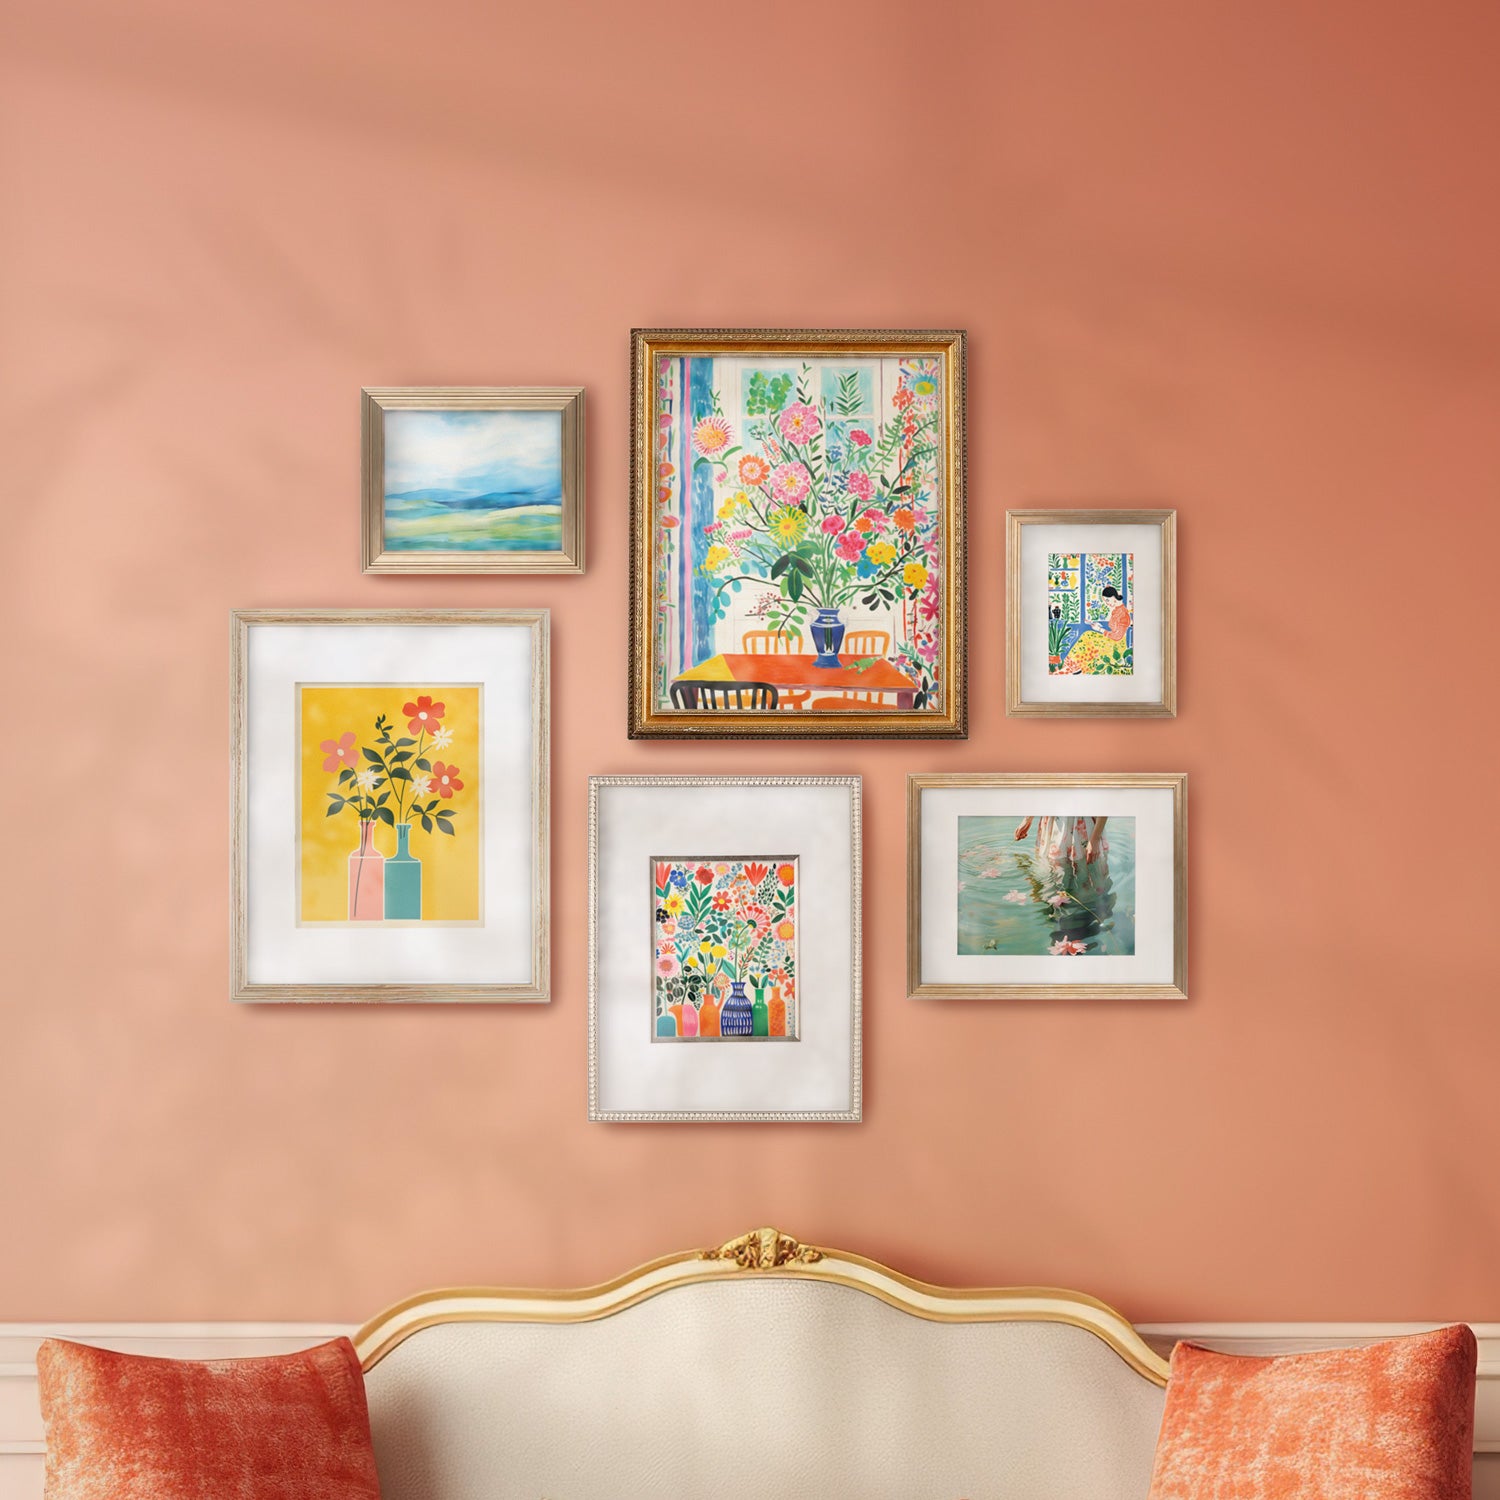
{"points": [[472, 479], [797, 533]]}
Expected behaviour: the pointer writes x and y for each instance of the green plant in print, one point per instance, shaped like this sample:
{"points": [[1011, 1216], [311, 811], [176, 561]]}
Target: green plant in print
{"points": [[828, 530], [722, 924]]}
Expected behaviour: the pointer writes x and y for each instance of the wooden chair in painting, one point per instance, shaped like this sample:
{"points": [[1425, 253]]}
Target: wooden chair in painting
{"points": [[778, 643], [860, 644], [715, 696]]}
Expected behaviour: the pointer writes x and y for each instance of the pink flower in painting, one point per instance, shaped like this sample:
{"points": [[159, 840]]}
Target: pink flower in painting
{"points": [[857, 482], [339, 752], [877, 518], [1016, 898], [927, 605], [1067, 947], [445, 779], [849, 546], [790, 483], [1058, 900], [424, 714], [799, 423], [711, 436], [667, 965], [832, 525], [860, 438], [927, 646]]}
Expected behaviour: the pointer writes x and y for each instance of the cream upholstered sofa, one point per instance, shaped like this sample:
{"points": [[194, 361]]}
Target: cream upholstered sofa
{"points": [[764, 1367]]}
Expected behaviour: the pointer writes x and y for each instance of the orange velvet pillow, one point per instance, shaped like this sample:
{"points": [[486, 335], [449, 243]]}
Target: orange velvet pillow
{"points": [[1391, 1421], [286, 1427]]}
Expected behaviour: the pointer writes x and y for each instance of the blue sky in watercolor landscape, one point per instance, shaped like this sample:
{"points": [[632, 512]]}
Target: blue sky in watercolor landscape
{"points": [[449, 455]]}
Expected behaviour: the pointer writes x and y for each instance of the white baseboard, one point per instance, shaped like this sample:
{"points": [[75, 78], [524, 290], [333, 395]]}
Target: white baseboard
{"points": [[21, 1423]]}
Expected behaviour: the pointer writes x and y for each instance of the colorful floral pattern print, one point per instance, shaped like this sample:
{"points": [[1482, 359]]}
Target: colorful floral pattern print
{"points": [[724, 935]]}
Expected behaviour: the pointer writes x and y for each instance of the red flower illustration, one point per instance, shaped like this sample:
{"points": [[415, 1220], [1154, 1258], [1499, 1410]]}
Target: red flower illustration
{"points": [[704, 875], [339, 752], [756, 873], [445, 779], [423, 714]]}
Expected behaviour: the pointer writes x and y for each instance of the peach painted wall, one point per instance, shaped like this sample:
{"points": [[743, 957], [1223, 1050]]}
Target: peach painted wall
{"points": [[1237, 259]]}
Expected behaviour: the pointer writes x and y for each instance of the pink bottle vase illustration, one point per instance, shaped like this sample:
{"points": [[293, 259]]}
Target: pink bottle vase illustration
{"points": [[366, 877]]}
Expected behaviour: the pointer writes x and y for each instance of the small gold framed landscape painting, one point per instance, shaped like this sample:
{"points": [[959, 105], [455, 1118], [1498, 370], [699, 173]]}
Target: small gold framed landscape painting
{"points": [[472, 479], [390, 805], [1091, 613], [1046, 886], [797, 533]]}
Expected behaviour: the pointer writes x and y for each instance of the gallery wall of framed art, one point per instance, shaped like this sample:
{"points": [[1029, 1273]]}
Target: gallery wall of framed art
{"points": [[797, 567]]}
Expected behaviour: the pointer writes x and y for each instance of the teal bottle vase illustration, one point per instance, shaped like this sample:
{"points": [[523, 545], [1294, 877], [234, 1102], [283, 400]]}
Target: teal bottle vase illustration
{"points": [[403, 881]]}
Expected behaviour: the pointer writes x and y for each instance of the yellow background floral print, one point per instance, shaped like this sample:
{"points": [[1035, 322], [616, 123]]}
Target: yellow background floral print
{"points": [[450, 863]]}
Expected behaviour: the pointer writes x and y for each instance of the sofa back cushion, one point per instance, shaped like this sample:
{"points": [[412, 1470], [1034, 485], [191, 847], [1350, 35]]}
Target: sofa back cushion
{"points": [[761, 1386], [127, 1427], [1394, 1420]]}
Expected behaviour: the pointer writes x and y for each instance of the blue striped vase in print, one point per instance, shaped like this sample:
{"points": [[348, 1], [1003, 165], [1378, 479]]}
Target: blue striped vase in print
{"points": [[737, 1017]]}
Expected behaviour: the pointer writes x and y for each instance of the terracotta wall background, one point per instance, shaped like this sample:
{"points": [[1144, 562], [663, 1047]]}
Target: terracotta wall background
{"points": [[1237, 259]]}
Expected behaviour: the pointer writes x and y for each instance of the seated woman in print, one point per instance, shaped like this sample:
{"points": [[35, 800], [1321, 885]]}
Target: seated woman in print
{"points": [[1098, 648]]}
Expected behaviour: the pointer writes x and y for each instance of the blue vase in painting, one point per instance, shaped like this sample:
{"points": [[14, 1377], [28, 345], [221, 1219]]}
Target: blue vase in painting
{"points": [[828, 636], [737, 1018], [403, 881]]}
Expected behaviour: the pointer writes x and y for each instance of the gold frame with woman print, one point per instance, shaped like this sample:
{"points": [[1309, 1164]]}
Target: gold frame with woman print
{"points": [[1018, 600]]}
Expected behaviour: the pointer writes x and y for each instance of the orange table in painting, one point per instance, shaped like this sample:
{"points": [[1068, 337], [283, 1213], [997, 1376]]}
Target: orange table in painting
{"points": [[786, 670]]}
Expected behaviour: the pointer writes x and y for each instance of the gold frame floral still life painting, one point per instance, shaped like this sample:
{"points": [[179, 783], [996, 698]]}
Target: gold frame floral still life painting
{"points": [[797, 533]]}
